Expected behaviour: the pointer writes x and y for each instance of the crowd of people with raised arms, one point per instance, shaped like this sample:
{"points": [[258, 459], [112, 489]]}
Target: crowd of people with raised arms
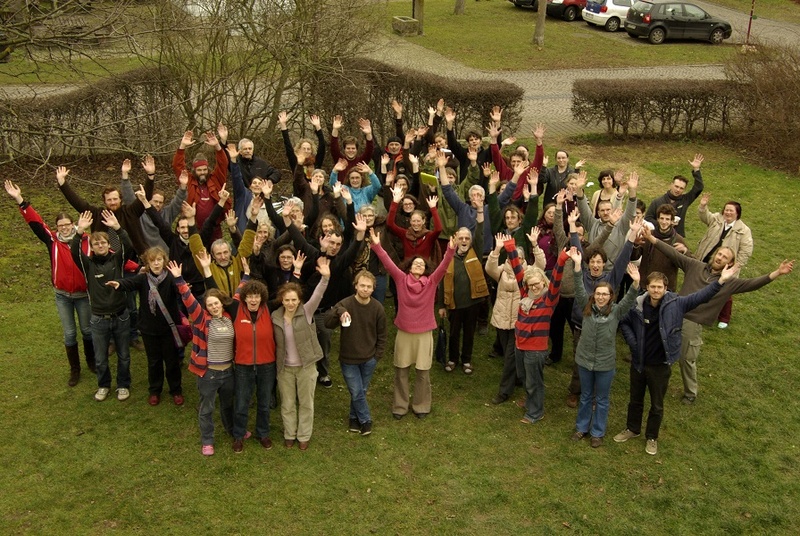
{"points": [[453, 231]]}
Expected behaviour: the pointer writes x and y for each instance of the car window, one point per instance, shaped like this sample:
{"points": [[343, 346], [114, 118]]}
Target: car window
{"points": [[694, 12], [623, 3], [643, 7], [673, 10]]}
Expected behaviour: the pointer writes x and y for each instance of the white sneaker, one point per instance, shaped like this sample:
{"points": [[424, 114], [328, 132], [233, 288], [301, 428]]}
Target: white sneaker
{"points": [[123, 394], [722, 325], [101, 394], [652, 447]]}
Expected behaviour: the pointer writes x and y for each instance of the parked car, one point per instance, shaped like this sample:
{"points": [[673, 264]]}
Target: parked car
{"points": [[569, 10], [526, 3], [606, 13], [659, 20]]}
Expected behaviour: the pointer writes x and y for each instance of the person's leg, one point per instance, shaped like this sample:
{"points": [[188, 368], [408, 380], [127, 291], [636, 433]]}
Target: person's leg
{"points": [[455, 317], [422, 392], [381, 283], [602, 391], [265, 379], [557, 322], [101, 335], [84, 311], [574, 388], [155, 363], [726, 311], [509, 375], [245, 380], [121, 326], [172, 366], [400, 402], [469, 325], [636, 402], [66, 314], [306, 385], [585, 414], [207, 391], [357, 378], [690, 350], [657, 383], [324, 338], [225, 392], [287, 386], [352, 379], [534, 385]]}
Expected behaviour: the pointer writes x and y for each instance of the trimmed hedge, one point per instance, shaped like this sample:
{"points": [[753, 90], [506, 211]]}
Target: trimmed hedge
{"points": [[644, 107]]}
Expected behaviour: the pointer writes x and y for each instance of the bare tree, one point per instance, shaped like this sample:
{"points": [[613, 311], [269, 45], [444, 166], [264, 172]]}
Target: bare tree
{"points": [[538, 31], [461, 7]]}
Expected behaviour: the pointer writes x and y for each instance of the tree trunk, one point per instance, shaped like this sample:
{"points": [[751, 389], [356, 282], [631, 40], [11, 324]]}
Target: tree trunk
{"points": [[419, 14], [538, 32], [461, 6]]}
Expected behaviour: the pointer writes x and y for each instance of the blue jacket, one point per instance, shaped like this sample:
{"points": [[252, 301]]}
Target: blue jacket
{"points": [[670, 323]]}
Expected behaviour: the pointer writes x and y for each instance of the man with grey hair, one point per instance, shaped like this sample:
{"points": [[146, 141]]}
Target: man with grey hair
{"points": [[253, 166], [467, 214]]}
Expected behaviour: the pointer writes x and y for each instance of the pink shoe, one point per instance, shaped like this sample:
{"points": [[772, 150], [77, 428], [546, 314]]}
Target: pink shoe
{"points": [[208, 450], [248, 435]]}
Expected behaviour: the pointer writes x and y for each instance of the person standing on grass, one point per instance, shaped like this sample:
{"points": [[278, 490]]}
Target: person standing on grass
{"points": [[68, 281], [297, 351], [110, 318], [652, 329], [538, 299], [363, 339], [415, 321], [596, 354]]}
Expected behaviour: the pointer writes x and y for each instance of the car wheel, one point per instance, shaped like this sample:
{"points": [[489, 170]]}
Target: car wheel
{"points": [[612, 24], [657, 36], [717, 36], [570, 14], [535, 6]]}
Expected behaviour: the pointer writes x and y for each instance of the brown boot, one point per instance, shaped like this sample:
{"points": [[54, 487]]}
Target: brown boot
{"points": [[74, 359], [88, 352]]}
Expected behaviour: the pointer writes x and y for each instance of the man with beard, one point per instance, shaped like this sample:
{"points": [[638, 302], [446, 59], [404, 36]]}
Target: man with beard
{"points": [[655, 261], [678, 197]]}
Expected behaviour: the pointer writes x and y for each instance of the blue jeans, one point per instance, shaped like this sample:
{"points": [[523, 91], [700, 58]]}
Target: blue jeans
{"points": [[357, 378], [67, 306], [262, 377], [381, 284], [324, 337], [598, 384], [104, 329], [215, 381], [534, 383]]}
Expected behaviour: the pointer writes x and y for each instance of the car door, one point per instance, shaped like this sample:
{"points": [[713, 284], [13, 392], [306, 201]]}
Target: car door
{"points": [[697, 25], [674, 20]]}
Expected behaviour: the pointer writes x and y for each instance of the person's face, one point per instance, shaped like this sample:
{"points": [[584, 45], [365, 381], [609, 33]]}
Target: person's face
{"points": [[364, 288], [596, 266], [99, 246], [550, 215], [112, 200], [319, 177], [355, 179], [350, 151], [327, 226], [729, 214], [512, 219], [369, 217], [562, 159], [334, 245], [664, 222], [441, 142], [474, 142], [476, 199], [417, 267], [402, 184], [579, 232], [214, 306], [183, 229], [253, 302], [290, 301], [602, 296], [263, 233], [417, 222], [157, 201], [297, 215], [221, 254], [201, 174], [501, 187], [463, 241], [607, 182], [656, 290], [306, 149], [256, 185], [722, 258], [604, 211], [285, 260], [393, 148], [515, 161], [639, 213], [677, 188], [535, 287], [246, 150], [408, 205], [156, 264], [65, 227], [572, 185]]}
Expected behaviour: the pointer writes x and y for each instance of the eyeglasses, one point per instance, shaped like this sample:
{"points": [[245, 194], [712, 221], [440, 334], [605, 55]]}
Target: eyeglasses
{"points": [[602, 294]]}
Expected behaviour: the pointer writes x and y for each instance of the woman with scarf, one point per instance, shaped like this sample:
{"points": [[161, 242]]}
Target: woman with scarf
{"points": [[418, 240], [547, 237], [68, 281]]}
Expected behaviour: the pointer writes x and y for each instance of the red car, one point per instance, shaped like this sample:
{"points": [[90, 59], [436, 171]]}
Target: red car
{"points": [[569, 10]]}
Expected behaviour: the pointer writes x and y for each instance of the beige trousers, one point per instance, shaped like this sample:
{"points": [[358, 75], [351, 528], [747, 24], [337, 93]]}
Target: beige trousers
{"points": [[297, 386]]}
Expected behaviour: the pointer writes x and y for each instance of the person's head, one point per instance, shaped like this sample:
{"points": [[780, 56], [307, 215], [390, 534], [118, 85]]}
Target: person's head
{"points": [[562, 159], [182, 228], [99, 243], [264, 231], [364, 283], [111, 198], [254, 294], [572, 182], [502, 185], [606, 179], [536, 281], [408, 204], [474, 140], [723, 258], [296, 214], [656, 286], [416, 266], [678, 185], [215, 301], [548, 215], [290, 295], [355, 179], [512, 217], [604, 210], [641, 208], [320, 175], [350, 147], [451, 173], [580, 230], [394, 145], [476, 196], [221, 252], [328, 223], [665, 215], [304, 149], [157, 200], [402, 182], [417, 221], [440, 141], [335, 241], [517, 158], [463, 240], [596, 263], [200, 168], [285, 256], [256, 185], [246, 148], [368, 211], [731, 212], [602, 297], [155, 259], [65, 226]]}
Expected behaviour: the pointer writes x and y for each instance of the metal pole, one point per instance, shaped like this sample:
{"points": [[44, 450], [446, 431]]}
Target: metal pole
{"points": [[749, 24]]}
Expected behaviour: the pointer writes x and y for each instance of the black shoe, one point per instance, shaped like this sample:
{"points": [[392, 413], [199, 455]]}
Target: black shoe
{"points": [[420, 415], [326, 382], [499, 399], [353, 426], [397, 416], [366, 428]]}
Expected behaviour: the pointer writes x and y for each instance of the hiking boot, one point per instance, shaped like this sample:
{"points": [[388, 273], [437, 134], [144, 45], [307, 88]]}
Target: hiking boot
{"points": [[366, 428], [353, 426], [652, 447], [625, 435], [238, 446], [596, 442]]}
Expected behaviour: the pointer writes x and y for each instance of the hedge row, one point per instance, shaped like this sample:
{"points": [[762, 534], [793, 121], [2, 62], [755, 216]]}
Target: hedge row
{"points": [[655, 106]]}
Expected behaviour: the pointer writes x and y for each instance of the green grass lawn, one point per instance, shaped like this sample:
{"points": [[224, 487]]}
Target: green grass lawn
{"points": [[728, 464], [780, 10]]}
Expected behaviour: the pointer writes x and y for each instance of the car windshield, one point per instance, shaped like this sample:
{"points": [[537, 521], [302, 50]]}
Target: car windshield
{"points": [[642, 7]]}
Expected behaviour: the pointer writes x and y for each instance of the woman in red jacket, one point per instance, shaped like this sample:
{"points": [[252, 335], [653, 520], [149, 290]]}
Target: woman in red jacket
{"points": [[418, 240]]}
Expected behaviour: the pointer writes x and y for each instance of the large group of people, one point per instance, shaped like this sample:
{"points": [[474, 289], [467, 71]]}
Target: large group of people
{"points": [[445, 229]]}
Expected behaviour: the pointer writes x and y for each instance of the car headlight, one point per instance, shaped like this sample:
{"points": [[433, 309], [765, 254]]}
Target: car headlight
{"points": [[558, 1]]}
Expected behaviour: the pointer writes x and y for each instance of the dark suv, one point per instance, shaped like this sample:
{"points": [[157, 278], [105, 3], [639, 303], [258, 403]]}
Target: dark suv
{"points": [[659, 20]]}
